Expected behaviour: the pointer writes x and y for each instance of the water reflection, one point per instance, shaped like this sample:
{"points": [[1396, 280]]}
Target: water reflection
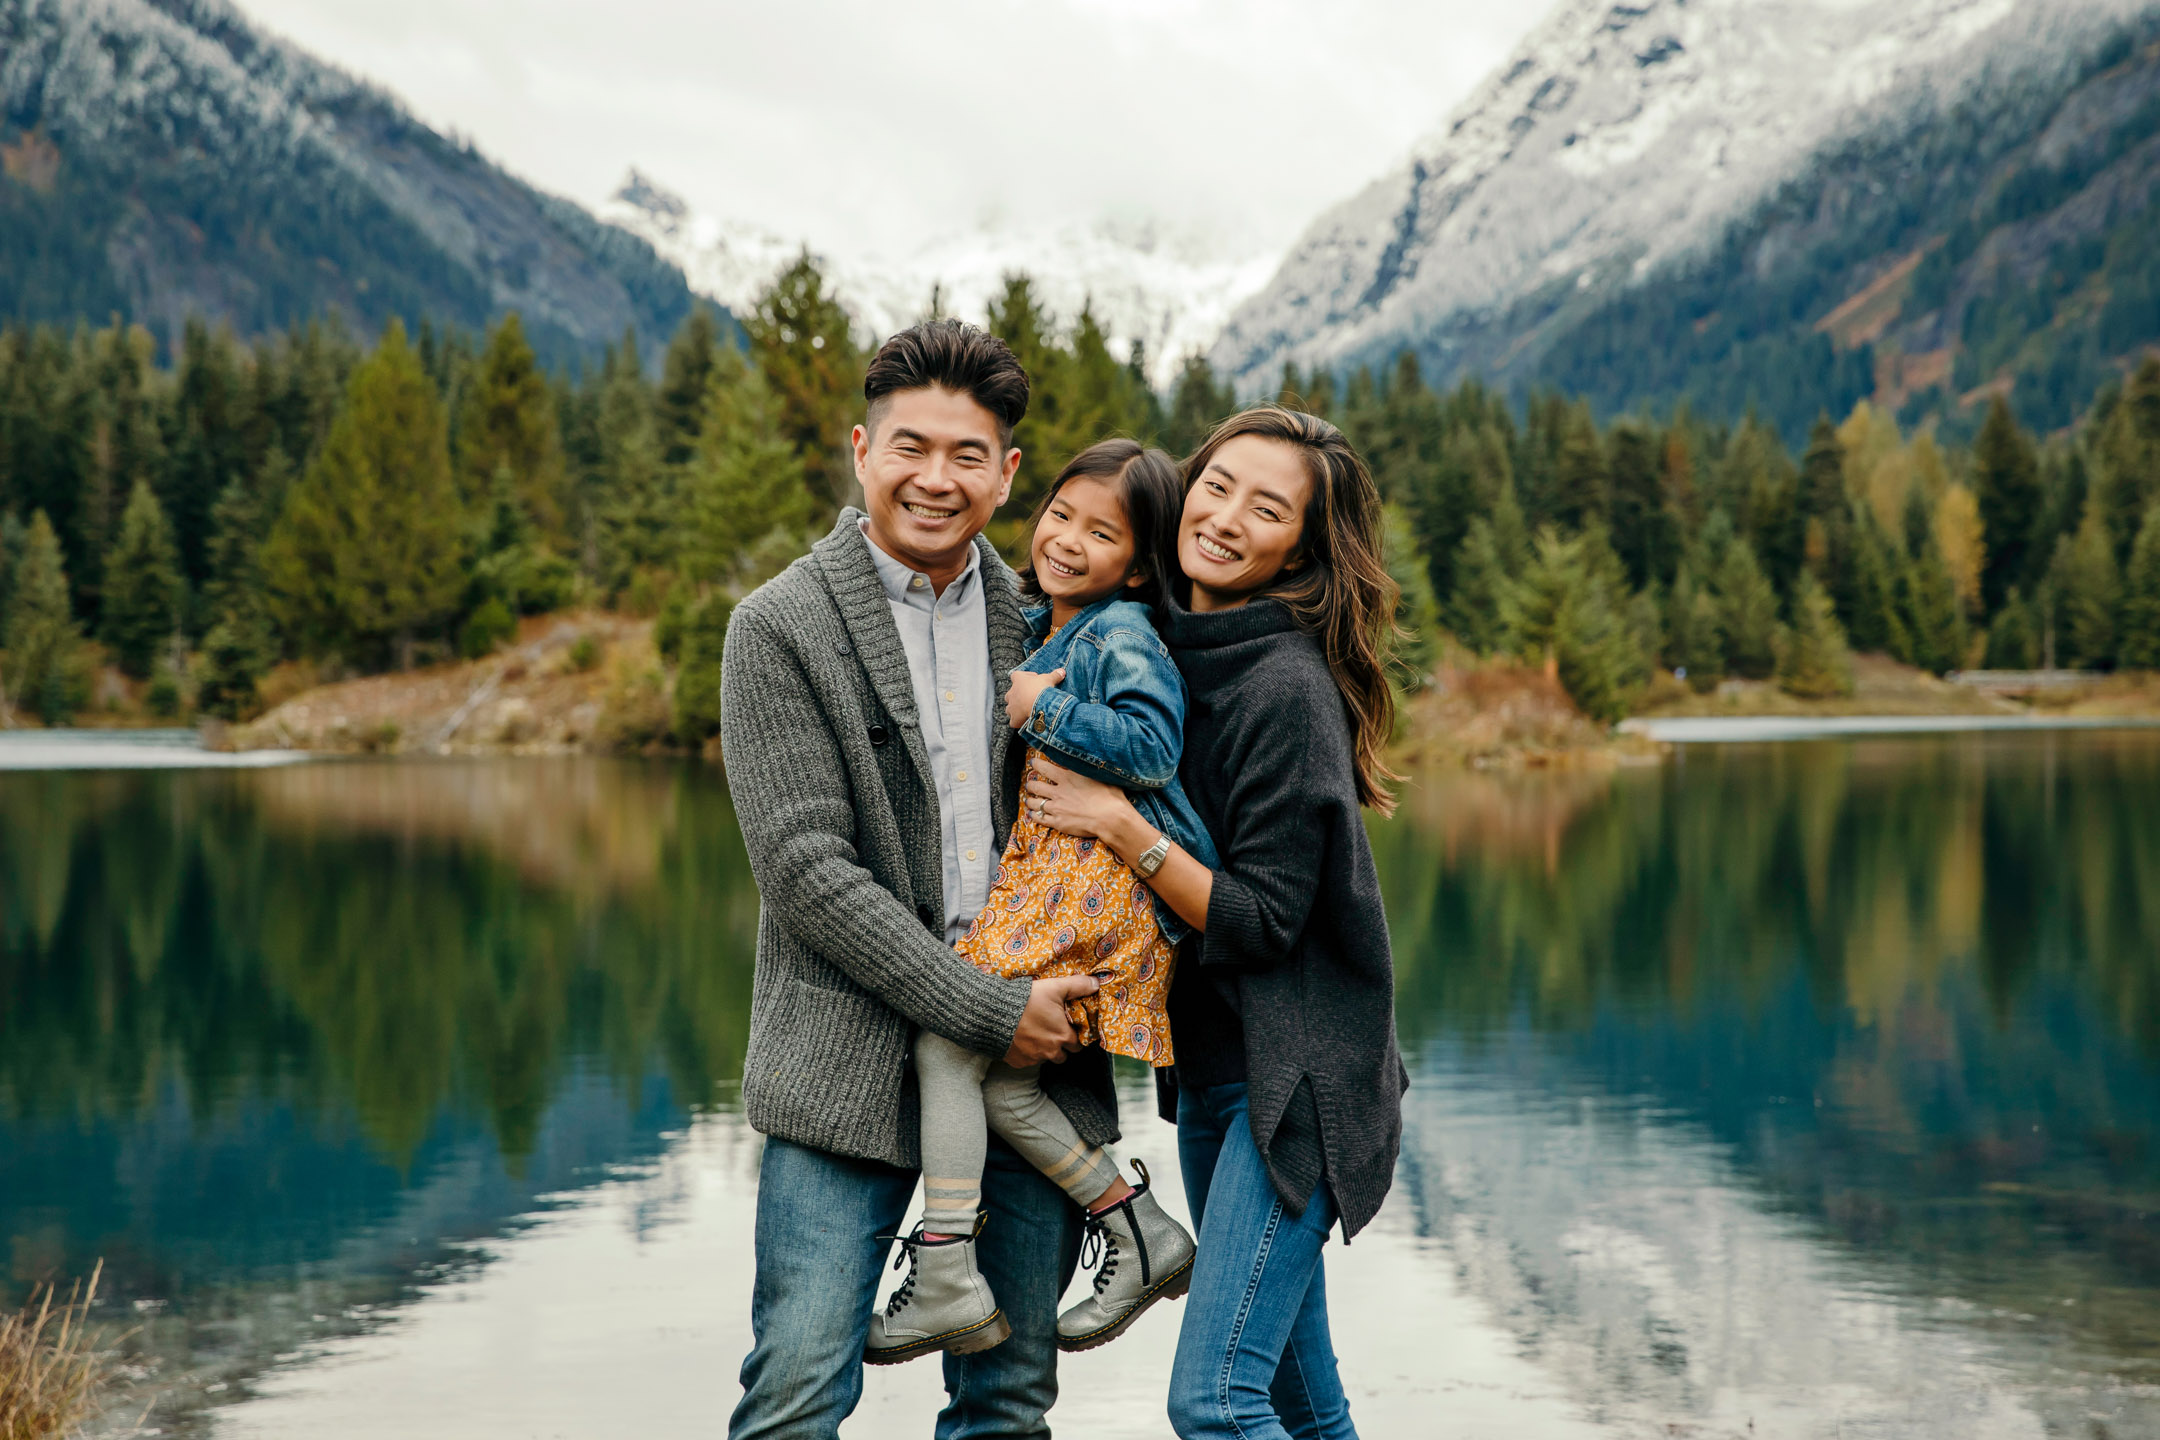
{"points": [[1796, 1087]]}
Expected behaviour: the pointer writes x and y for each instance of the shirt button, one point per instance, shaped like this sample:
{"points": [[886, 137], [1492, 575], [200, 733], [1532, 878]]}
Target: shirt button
{"points": [[962, 775], [917, 583], [949, 696], [971, 854]]}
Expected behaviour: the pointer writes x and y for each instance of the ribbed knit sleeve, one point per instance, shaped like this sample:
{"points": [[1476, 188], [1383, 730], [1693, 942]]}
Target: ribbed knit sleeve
{"points": [[798, 824]]}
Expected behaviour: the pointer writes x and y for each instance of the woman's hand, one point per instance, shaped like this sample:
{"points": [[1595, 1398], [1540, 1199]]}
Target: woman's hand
{"points": [[1027, 688], [1068, 801]]}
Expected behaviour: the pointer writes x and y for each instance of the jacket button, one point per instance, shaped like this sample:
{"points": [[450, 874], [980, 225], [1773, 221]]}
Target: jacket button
{"points": [[879, 735], [922, 913]]}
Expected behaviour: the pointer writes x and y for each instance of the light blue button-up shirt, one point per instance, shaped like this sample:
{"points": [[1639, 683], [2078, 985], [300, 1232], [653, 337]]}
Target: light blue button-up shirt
{"points": [[947, 640]]}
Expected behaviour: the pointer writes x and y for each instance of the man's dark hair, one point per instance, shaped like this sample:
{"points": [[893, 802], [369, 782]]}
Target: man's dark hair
{"points": [[949, 355]]}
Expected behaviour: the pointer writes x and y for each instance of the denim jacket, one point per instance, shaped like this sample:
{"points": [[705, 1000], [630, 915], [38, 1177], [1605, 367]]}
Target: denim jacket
{"points": [[1119, 717]]}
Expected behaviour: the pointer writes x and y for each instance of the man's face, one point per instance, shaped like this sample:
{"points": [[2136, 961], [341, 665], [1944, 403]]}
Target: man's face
{"points": [[932, 476]]}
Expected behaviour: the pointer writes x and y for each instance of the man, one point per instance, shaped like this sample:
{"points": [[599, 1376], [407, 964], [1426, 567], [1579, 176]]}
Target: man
{"points": [[862, 696]]}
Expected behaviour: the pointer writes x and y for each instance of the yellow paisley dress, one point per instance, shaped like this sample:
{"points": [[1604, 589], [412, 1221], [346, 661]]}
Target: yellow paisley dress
{"points": [[1060, 905]]}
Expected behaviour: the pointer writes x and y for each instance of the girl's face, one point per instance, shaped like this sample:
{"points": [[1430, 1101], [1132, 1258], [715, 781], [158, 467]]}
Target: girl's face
{"points": [[1083, 546], [1243, 520]]}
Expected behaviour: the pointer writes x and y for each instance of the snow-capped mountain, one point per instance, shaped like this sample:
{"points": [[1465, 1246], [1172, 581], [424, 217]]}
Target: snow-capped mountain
{"points": [[1169, 292], [165, 158], [1618, 136]]}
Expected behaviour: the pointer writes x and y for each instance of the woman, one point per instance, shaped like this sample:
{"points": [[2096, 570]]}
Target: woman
{"points": [[1288, 1084]]}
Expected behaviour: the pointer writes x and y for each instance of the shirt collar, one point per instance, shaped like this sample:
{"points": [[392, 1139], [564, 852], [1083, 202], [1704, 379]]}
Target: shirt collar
{"points": [[904, 586]]}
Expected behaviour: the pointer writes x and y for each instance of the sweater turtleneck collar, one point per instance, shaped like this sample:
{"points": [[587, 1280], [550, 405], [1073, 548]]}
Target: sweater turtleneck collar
{"points": [[1212, 644]]}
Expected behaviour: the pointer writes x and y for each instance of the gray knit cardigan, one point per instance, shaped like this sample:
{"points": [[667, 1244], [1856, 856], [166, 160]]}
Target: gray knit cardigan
{"points": [[833, 790]]}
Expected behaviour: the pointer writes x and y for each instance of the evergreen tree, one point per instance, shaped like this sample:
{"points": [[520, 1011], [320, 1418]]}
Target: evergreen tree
{"points": [[2006, 477], [748, 507], [1481, 609], [1197, 405], [1697, 643], [686, 379], [239, 646], [509, 442], [1571, 611], [211, 450], [1579, 477], [2087, 588], [1643, 528], [801, 343], [112, 422], [1747, 612], [1822, 474], [1815, 663], [2013, 639], [1417, 614], [366, 554], [2126, 448], [633, 492], [14, 543], [1934, 621], [144, 594], [2140, 643], [697, 680], [47, 671]]}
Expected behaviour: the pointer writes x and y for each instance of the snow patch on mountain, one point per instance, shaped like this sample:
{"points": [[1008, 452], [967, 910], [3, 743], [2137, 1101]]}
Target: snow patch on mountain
{"points": [[1144, 282], [1618, 136]]}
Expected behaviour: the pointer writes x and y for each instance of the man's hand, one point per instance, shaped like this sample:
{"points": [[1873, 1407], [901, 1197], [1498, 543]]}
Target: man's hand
{"points": [[1027, 687], [1045, 1033]]}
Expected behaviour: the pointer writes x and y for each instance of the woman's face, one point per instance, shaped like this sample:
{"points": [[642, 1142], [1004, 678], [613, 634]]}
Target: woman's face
{"points": [[1244, 517]]}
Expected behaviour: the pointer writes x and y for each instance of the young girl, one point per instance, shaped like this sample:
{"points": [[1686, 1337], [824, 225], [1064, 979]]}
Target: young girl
{"points": [[1101, 696]]}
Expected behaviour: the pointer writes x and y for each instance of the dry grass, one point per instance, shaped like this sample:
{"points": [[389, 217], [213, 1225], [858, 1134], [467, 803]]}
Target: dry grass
{"points": [[51, 1368], [1497, 715]]}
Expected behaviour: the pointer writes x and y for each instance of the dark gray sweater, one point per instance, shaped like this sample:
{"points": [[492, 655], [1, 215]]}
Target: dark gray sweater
{"points": [[1294, 992]]}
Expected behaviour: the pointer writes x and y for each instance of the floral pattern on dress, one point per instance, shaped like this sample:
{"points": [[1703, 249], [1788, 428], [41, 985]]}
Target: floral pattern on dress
{"points": [[1094, 917]]}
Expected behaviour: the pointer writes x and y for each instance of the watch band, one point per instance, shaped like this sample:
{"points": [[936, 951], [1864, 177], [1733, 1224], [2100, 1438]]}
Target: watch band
{"points": [[1151, 859]]}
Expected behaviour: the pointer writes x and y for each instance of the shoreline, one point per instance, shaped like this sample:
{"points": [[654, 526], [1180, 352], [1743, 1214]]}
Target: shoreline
{"points": [[1637, 740]]}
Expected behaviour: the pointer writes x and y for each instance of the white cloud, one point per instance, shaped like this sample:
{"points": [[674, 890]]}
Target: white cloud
{"points": [[869, 125]]}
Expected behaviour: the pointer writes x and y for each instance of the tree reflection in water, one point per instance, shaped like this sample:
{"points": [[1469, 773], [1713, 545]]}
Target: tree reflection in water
{"points": [[1907, 989], [279, 1043]]}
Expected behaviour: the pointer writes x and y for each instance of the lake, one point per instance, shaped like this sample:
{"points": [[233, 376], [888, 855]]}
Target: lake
{"points": [[1783, 1091]]}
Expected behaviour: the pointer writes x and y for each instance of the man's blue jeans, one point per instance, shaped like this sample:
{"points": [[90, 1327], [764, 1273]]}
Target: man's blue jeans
{"points": [[818, 1264], [1254, 1360]]}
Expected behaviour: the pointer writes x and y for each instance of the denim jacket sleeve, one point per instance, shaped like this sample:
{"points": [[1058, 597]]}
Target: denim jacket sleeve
{"points": [[1131, 729]]}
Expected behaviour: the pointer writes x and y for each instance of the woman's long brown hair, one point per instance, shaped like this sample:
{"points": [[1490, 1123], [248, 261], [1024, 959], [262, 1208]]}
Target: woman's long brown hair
{"points": [[1339, 591]]}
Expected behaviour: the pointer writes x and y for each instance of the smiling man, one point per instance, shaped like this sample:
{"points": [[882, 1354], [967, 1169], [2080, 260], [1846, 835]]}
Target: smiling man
{"points": [[861, 698]]}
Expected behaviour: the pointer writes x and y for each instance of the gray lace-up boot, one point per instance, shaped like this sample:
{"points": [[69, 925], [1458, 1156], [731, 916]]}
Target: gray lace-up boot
{"points": [[1146, 1256], [943, 1304]]}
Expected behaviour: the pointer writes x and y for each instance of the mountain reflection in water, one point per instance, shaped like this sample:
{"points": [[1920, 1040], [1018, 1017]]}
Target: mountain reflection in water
{"points": [[1807, 1087]]}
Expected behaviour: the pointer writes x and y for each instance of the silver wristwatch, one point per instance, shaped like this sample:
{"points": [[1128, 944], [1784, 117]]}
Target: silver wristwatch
{"points": [[1150, 860]]}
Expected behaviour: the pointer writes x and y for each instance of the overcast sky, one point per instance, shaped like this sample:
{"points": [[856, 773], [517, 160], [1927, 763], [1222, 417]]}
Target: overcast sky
{"points": [[872, 124]]}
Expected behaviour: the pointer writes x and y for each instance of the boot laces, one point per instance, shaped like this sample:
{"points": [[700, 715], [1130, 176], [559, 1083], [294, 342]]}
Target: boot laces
{"points": [[1099, 1242], [907, 1256]]}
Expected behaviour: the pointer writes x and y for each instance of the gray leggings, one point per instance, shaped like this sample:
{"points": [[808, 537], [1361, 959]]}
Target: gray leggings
{"points": [[964, 1097]]}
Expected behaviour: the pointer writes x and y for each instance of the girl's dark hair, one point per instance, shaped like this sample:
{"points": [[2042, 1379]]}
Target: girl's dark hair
{"points": [[1147, 482], [1337, 587]]}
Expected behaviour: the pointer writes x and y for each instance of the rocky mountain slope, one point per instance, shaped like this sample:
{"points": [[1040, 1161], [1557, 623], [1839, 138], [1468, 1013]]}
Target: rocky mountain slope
{"points": [[164, 158], [1723, 198], [1168, 292]]}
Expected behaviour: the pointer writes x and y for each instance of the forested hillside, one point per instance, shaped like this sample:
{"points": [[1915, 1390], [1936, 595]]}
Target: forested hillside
{"points": [[2008, 245], [162, 159], [305, 500]]}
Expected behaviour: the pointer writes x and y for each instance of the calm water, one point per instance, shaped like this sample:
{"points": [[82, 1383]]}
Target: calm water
{"points": [[1806, 1090]]}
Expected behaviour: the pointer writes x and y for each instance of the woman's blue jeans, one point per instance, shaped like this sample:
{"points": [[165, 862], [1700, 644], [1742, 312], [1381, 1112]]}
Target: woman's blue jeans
{"points": [[1254, 1359]]}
